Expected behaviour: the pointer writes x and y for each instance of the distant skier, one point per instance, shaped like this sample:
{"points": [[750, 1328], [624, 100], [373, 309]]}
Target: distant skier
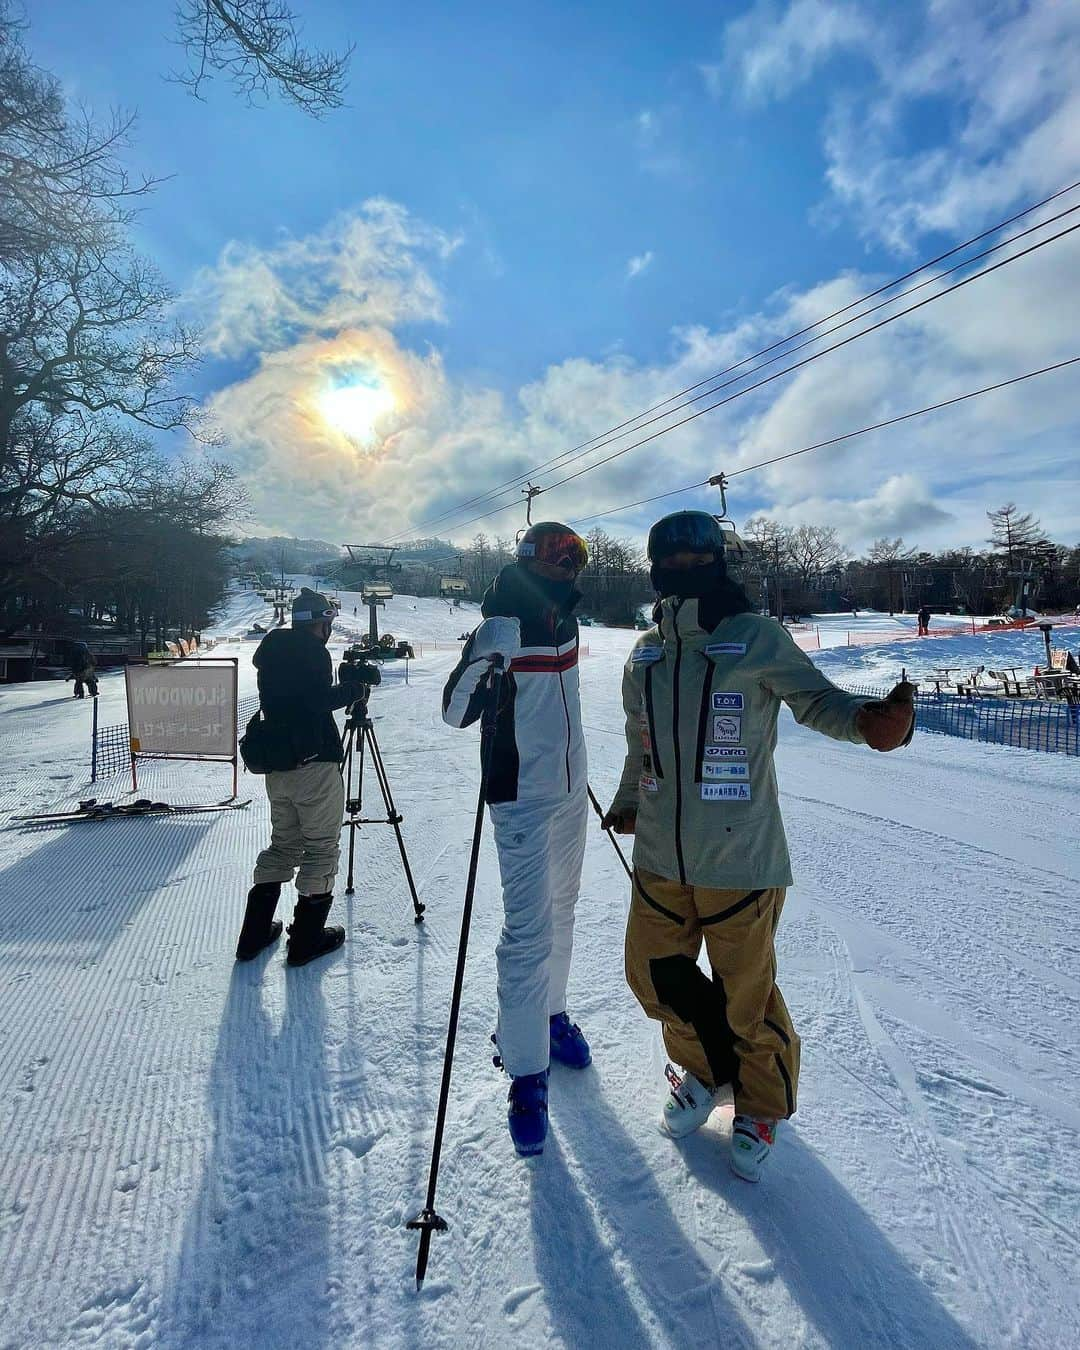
{"points": [[924, 621], [702, 691], [297, 695], [83, 670], [538, 804]]}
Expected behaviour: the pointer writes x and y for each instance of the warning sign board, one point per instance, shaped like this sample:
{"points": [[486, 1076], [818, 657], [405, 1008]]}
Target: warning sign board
{"points": [[186, 710]]}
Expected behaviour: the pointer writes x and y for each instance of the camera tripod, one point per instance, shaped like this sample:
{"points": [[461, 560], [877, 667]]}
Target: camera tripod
{"points": [[357, 743]]}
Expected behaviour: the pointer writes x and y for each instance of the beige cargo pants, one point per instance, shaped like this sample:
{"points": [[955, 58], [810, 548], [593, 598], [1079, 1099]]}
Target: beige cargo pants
{"points": [[306, 809], [735, 1027]]}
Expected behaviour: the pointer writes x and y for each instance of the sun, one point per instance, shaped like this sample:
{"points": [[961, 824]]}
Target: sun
{"points": [[354, 407]]}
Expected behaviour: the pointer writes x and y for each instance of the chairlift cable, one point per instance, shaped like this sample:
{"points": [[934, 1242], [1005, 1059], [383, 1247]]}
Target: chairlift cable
{"points": [[786, 370], [780, 342], [863, 332], [834, 440]]}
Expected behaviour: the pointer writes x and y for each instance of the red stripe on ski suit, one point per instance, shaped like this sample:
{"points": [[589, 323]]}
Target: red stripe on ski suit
{"points": [[537, 665]]}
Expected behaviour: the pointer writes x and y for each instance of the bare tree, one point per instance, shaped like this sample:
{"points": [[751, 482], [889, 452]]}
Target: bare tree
{"points": [[815, 549], [61, 177], [892, 556], [86, 332], [884, 551], [255, 44], [772, 543]]}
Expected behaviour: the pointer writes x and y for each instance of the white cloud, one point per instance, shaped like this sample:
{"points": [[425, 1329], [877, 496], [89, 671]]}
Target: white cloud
{"points": [[445, 440], [771, 50], [655, 137], [1006, 73], [362, 269], [636, 265]]}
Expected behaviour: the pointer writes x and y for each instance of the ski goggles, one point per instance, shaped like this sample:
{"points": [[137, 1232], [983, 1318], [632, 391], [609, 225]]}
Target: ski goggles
{"points": [[557, 548], [315, 615]]}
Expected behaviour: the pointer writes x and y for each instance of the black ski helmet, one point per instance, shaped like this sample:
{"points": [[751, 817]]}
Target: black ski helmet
{"points": [[686, 531]]}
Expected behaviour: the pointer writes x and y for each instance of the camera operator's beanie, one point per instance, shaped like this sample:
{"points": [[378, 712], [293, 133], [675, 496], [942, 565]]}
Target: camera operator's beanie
{"points": [[311, 607]]}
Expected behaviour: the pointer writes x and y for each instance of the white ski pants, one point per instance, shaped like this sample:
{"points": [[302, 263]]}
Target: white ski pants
{"points": [[306, 809], [541, 845]]}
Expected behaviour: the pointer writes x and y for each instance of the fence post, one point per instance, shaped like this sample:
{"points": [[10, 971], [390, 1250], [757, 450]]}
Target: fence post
{"points": [[93, 743]]}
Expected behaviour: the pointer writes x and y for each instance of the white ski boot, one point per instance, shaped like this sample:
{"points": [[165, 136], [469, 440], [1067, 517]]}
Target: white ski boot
{"points": [[751, 1143], [689, 1104]]}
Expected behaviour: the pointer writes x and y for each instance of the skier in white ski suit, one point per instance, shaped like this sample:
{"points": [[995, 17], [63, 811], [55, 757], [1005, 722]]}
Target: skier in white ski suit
{"points": [[538, 803]]}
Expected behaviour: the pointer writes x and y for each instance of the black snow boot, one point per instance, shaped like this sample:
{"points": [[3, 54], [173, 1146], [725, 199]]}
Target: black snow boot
{"points": [[309, 937], [260, 927]]}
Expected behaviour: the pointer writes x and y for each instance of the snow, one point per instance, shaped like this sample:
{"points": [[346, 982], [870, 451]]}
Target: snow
{"points": [[200, 1154]]}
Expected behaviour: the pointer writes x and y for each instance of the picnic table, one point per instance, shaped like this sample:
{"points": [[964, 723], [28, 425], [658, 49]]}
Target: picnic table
{"points": [[1059, 684]]}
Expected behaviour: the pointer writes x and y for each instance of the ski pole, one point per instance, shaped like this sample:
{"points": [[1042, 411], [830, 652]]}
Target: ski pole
{"points": [[610, 834], [428, 1221]]}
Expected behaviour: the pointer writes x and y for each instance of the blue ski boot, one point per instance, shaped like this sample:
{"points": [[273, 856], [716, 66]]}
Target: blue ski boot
{"points": [[568, 1045], [528, 1113]]}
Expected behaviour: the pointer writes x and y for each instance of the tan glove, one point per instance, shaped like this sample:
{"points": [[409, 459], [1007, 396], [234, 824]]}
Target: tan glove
{"points": [[887, 723], [622, 821]]}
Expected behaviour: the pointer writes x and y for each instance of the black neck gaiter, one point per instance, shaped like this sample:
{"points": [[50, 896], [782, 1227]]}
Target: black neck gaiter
{"points": [[689, 583]]}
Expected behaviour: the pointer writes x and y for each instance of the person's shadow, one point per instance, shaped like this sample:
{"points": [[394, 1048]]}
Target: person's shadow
{"points": [[261, 1221], [838, 1266], [578, 1267]]}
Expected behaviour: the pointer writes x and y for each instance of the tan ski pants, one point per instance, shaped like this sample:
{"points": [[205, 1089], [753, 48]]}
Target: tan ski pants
{"points": [[306, 809], [733, 1028]]}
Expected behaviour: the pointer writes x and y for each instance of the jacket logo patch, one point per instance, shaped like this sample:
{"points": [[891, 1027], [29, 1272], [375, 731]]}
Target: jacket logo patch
{"points": [[646, 655], [729, 792], [726, 649], [647, 784], [727, 727], [727, 702], [710, 769], [725, 752]]}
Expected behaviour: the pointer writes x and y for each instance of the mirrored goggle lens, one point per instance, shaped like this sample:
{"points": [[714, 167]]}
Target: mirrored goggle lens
{"points": [[698, 534], [557, 550]]}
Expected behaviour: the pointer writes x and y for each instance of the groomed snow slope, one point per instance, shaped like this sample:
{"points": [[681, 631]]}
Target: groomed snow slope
{"points": [[200, 1154]]}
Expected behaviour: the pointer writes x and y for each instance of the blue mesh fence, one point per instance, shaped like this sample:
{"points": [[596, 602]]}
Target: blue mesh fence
{"points": [[114, 743], [1029, 724]]}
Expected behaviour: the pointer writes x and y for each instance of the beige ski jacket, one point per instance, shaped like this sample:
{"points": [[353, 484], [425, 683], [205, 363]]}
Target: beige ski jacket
{"points": [[701, 712]]}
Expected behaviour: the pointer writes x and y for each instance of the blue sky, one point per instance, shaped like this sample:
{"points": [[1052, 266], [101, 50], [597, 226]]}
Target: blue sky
{"points": [[583, 208]]}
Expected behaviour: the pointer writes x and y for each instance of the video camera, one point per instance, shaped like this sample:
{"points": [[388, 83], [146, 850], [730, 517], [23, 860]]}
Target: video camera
{"points": [[357, 670]]}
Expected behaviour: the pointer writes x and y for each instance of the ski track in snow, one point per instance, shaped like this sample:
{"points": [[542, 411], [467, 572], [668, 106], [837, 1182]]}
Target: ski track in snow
{"points": [[205, 1154]]}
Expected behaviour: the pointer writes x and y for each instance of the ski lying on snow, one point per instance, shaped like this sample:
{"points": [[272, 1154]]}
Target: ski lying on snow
{"points": [[95, 810]]}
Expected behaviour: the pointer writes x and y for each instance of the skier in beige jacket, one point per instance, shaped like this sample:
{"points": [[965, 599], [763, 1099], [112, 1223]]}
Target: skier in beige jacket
{"points": [[702, 691]]}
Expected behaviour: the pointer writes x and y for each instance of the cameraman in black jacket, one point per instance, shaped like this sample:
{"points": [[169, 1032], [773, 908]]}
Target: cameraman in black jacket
{"points": [[297, 696]]}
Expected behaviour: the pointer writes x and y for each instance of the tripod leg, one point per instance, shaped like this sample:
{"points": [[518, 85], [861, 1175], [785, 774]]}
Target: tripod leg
{"points": [[349, 887], [349, 743], [395, 819]]}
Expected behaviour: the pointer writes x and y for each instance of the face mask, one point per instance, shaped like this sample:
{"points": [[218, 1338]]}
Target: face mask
{"points": [[689, 583]]}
